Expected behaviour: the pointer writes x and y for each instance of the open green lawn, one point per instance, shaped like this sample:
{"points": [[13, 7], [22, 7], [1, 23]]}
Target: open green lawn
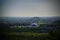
{"points": [[26, 36], [27, 33], [23, 35]]}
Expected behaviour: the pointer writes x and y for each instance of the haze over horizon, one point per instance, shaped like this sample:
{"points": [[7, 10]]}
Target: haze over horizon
{"points": [[29, 8]]}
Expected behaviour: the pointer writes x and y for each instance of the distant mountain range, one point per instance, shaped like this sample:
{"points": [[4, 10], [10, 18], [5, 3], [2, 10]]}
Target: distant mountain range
{"points": [[28, 19]]}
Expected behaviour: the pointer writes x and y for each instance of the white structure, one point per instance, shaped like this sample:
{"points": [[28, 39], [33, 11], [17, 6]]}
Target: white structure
{"points": [[34, 25]]}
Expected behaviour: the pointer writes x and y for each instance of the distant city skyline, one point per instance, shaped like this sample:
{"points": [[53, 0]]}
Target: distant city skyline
{"points": [[29, 8]]}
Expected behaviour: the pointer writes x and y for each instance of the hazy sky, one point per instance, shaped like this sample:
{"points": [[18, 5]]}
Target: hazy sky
{"points": [[29, 8]]}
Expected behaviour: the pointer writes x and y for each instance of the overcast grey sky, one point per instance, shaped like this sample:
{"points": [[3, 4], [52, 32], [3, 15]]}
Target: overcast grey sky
{"points": [[29, 8]]}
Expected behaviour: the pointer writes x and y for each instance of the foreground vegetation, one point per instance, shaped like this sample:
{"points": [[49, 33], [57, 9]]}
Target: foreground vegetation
{"points": [[25, 36], [12, 34]]}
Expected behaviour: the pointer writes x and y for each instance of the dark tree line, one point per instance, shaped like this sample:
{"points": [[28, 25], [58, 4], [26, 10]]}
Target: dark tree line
{"points": [[55, 34]]}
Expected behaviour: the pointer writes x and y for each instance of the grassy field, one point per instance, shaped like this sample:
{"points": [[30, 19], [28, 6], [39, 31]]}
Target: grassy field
{"points": [[27, 33], [25, 36]]}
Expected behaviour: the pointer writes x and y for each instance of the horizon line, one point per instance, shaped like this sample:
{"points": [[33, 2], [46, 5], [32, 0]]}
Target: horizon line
{"points": [[45, 16]]}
